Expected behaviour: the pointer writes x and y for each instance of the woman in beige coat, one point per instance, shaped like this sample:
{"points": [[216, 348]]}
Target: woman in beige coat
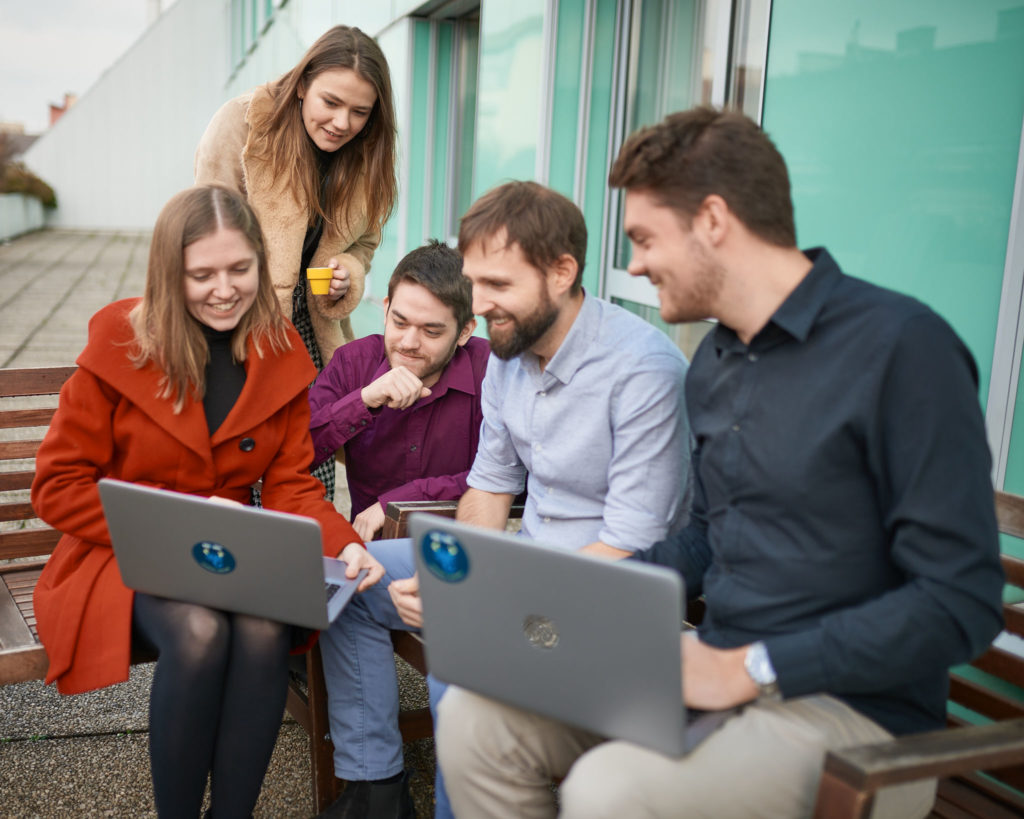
{"points": [[314, 154]]}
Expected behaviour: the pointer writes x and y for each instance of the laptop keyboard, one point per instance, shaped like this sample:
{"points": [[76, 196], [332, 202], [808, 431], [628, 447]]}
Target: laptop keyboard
{"points": [[331, 589]]}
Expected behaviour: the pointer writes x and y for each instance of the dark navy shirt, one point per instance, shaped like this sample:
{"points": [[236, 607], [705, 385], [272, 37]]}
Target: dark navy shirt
{"points": [[844, 510]]}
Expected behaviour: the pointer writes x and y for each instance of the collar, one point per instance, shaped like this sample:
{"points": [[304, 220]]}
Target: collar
{"points": [[797, 314], [577, 344]]}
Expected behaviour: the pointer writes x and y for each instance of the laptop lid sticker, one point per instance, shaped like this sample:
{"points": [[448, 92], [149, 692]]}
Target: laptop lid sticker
{"points": [[213, 557], [444, 556]]}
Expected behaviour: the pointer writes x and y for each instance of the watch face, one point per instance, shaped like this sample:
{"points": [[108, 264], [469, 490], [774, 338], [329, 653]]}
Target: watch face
{"points": [[759, 666]]}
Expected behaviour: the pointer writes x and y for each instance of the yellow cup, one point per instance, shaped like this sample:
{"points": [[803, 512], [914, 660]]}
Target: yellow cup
{"points": [[319, 280]]}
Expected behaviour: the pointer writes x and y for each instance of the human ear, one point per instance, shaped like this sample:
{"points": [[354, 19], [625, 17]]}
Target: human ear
{"points": [[712, 218], [564, 271], [467, 331]]}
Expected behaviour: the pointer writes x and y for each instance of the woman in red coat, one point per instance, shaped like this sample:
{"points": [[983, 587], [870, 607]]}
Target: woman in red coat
{"points": [[199, 387]]}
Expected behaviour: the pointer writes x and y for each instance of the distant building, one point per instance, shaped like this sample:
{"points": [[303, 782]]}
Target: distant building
{"points": [[57, 111]]}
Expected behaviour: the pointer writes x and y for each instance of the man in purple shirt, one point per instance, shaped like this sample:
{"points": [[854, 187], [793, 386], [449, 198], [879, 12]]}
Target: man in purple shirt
{"points": [[406, 408], [406, 405]]}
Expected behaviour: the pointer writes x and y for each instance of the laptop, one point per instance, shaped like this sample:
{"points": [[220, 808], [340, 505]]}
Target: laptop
{"points": [[590, 642], [224, 555]]}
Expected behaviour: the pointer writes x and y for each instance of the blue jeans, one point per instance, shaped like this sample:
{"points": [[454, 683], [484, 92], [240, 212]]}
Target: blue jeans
{"points": [[362, 689]]}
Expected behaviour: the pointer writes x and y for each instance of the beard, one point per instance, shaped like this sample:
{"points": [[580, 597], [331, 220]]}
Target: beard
{"points": [[427, 367], [695, 300], [524, 332]]}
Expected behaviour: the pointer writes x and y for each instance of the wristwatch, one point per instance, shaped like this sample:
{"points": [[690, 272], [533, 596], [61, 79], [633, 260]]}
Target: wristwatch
{"points": [[759, 667]]}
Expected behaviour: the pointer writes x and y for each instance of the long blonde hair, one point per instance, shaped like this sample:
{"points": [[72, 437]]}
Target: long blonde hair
{"points": [[369, 158], [165, 332]]}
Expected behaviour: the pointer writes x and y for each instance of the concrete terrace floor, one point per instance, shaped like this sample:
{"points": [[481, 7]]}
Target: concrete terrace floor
{"points": [[87, 755]]}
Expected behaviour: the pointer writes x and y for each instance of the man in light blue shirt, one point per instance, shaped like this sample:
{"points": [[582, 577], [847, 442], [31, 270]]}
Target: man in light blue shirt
{"points": [[595, 427], [581, 395]]}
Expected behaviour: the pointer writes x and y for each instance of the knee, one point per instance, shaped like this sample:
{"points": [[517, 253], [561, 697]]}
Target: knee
{"points": [[594, 788], [258, 632], [203, 636]]}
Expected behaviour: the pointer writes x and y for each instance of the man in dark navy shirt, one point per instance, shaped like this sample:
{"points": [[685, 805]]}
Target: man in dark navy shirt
{"points": [[843, 529]]}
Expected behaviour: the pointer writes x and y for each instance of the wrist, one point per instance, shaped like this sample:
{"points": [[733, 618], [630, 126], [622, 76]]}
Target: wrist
{"points": [[761, 672]]}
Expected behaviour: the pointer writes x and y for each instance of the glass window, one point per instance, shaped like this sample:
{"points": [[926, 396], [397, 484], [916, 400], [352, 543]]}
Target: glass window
{"points": [[672, 55]]}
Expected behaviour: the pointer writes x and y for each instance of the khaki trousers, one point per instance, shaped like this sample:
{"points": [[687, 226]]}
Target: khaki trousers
{"points": [[499, 761]]}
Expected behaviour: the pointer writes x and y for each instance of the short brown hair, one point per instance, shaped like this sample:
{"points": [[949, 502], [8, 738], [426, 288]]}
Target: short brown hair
{"points": [[438, 268], [541, 221], [692, 154], [165, 333]]}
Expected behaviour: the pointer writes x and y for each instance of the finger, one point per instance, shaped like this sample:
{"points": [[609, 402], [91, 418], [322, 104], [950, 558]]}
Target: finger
{"points": [[375, 573]]}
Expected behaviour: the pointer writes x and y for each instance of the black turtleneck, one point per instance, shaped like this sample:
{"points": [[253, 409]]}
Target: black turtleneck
{"points": [[225, 377], [315, 230]]}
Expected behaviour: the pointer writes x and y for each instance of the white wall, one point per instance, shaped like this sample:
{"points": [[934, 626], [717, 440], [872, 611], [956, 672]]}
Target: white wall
{"points": [[128, 144], [19, 214]]}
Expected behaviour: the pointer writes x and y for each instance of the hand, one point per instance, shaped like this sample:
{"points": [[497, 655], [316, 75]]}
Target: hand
{"points": [[358, 559], [340, 281], [714, 678], [405, 594], [369, 521], [398, 388]]}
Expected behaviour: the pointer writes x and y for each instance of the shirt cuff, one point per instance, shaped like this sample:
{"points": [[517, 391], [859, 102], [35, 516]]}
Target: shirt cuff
{"points": [[798, 662]]}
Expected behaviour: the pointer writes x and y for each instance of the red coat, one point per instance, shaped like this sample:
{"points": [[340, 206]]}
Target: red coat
{"points": [[110, 423]]}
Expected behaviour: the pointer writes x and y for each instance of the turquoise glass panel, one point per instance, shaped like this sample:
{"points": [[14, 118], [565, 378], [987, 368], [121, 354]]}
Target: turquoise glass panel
{"points": [[662, 58], [469, 57], [418, 159], [598, 161], [566, 96], [901, 126], [441, 175], [508, 113]]}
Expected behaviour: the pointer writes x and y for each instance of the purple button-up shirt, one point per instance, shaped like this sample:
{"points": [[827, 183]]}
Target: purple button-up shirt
{"points": [[420, 453]]}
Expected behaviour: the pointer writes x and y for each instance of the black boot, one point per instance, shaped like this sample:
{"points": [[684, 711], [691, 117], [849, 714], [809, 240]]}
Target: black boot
{"points": [[373, 800]]}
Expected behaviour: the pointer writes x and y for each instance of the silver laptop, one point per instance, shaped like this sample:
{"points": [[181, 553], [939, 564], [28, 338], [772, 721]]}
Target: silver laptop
{"points": [[589, 642], [224, 555]]}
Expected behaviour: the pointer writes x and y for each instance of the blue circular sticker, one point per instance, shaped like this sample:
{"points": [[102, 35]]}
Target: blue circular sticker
{"points": [[444, 556], [213, 557]]}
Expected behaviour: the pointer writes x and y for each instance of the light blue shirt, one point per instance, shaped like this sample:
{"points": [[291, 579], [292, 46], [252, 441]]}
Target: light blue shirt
{"points": [[601, 431]]}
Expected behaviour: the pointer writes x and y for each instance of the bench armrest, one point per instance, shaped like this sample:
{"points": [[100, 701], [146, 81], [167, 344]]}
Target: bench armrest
{"points": [[396, 516], [852, 776]]}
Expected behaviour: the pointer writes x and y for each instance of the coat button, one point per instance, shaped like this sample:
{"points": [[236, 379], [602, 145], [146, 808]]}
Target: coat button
{"points": [[247, 445]]}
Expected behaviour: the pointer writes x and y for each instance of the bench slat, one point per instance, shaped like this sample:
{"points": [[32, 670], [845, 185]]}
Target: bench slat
{"points": [[1014, 568], [983, 700], [14, 633], [1010, 512], [34, 381], [23, 664], [17, 511], [13, 450], [39, 417], [1013, 618], [28, 543], [11, 481], [1001, 664]]}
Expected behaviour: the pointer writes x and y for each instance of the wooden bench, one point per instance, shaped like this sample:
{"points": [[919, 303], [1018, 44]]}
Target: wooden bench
{"points": [[26, 543], [958, 754]]}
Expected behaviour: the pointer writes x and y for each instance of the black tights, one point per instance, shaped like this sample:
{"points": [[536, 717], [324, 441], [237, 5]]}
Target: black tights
{"points": [[216, 704]]}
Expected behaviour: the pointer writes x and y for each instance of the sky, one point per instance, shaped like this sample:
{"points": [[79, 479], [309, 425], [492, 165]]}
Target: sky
{"points": [[49, 47]]}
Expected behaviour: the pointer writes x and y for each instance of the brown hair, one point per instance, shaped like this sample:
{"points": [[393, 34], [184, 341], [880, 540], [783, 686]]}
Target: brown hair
{"points": [[165, 333], [368, 159], [693, 154], [541, 221], [438, 268]]}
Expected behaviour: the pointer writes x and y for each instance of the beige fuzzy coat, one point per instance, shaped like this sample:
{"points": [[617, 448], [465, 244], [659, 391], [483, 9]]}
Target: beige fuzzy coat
{"points": [[225, 156]]}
